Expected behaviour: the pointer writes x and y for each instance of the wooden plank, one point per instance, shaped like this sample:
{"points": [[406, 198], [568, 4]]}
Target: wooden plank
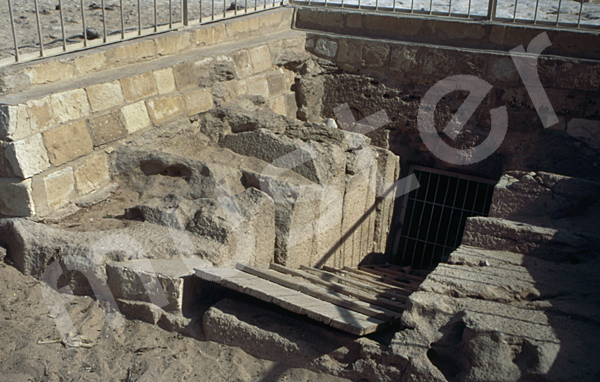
{"points": [[399, 273], [381, 301], [368, 278], [322, 294], [385, 280], [217, 274], [389, 278], [326, 276]]}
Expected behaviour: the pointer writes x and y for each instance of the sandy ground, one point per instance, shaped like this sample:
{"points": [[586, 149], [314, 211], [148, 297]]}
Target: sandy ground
{"points": [[28, 40], [148, 352]]}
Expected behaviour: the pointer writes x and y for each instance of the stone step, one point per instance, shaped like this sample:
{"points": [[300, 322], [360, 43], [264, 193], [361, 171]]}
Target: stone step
{"points": [[545, 243], [546, 199]]}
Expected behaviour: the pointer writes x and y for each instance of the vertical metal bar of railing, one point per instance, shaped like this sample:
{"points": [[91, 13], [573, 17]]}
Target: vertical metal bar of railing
{"points": [[430, 7], [103, 21], [450, 8], [394, 6], [376, 4], [212, 17], [139, 18], [537, 4], [558, 12], [358, 4], [235, 7], [469, 10], [225, 8], [412, 6], [342, 3], [155, 17], [245, 6], [39, 27], [62, 25], [515, 13], [265, 4], [255, 1], [492, 5], [580, 12], [171, 14], [14, 31], [184, 13], [122, 22], [200, 17]]}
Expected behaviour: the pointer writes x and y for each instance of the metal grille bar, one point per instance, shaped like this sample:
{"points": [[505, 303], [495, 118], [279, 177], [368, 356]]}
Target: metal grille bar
{"points": [[433, 216]]}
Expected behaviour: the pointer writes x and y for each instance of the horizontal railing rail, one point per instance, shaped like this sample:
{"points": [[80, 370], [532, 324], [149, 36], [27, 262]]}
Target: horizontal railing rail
{"points": [[544, 13], [37, 30]]}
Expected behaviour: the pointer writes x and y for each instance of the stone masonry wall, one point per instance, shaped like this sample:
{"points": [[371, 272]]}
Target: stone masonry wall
{"points": [[54, 138]]}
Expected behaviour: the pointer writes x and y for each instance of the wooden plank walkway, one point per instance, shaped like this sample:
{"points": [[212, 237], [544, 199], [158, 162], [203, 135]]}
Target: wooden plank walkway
{"points": [[344, 299]]}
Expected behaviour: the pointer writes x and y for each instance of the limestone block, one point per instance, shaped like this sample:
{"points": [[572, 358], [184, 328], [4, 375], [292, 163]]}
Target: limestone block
{"points": [[502, 69], [90, 62], [354, 20], [278, 105], [105, 96], [163, 108], [14, 122], [129, 280], [15, 197], [69, 105], [41, 114], [258, 85], [585, 130], [107, 127], [243, 65], [579, 75], [59, 187], [198, 101], [291, 106], [404, 59], [260, 58], [185, 76], [276, 82], [92, 174], [241, 27], [68, 142], [28, 156], [388, 165], [225, 91], [165, 81], [138, 87], [131, 52], [326, 48], [51, 71], [210, 35], [438, 61], [375, 55], [349, 51], [173, 43], [136, 117]]}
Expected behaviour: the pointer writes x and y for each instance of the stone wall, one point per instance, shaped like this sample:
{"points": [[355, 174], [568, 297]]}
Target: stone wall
{"points": [[60, 118], [373, 75]]}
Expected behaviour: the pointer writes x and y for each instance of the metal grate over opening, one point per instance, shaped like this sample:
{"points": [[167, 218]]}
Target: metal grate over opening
{"points": [[433, 216]]}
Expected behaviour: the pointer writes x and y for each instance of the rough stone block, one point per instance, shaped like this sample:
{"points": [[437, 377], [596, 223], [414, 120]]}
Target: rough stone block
{"points": [[241, 27], [60, 186], [243, 65], [585, 130], [107, 127], [291, 106], [176, 42], [393, 25], [198, 101], [41, 114], [375, 55], [436, 61], [326, 48], [404, 58], [105, 96], [14, 122], [136, 117], [278, 105], [502, 69], [139, 280], [163, 108], [210, 35], [92, 174], [276, 82], [349, 51], [68, 142], [69, 105], [90, 62], [28, 156], [225, 91], [258, 85], [15, 197], [50, 72], [165, 81], [185, 76], [579, 75], [354, 20], [260, 58], [131, 52], [138, 87]]}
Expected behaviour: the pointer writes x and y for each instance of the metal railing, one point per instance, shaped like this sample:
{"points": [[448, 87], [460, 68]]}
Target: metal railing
{"points": [[546, 13], [42, 29]]}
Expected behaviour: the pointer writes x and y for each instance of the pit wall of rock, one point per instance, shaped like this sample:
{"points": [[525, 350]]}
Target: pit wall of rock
{"points": [[374, 74], [59, 117]]}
